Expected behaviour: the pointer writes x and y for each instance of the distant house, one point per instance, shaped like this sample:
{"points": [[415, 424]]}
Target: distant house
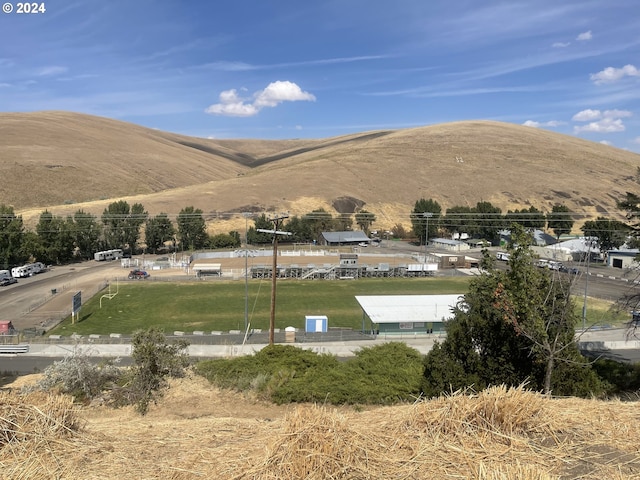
{"points": [[448, 244], [576, 249], [337, 239], [540, 238], [623, 258]]}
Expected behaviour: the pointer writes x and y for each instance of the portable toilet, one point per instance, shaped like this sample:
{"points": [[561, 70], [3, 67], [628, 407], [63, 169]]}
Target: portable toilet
{"points": [[316, 323]]}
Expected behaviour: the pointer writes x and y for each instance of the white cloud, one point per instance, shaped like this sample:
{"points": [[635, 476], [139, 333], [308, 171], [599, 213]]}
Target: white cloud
{"points": [[606, 142], [616, 113], [550, 123], [611, 74], [605, 125], [636, 140], [584, 36], [278, 92], [561, 44], [231, 104], [586, 115], [52, 70]]}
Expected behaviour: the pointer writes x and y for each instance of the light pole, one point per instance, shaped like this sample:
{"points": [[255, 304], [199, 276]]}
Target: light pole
{"points": [[586, 285], [246, 273], [427, 215]]}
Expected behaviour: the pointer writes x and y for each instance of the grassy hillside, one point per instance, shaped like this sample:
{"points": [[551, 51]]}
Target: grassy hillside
{"points": [[59, 160]]}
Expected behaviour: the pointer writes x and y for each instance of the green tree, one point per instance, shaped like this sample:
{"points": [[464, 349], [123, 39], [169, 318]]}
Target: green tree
{"points": [[610, 233], [559, 220], [192, 228], [364, 220], [425, 213], [263, 223], [11, 232], [225, 240], [631, 206], [319, 221], [530, 218], [86, 234], [459, 219], [489, 221], [157, 231], [122, 224], [56, 238], [300, 229], [513, 326]]}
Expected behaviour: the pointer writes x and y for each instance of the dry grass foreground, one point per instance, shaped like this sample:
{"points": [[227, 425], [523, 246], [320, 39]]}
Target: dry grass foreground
{"points": [[197, 431]]}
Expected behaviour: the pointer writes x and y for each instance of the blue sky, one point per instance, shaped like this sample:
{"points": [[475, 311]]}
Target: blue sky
{"points": [[292, 69]]}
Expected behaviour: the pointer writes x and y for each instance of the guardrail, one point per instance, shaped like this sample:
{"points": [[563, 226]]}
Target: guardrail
{"points": [[14, 348]]}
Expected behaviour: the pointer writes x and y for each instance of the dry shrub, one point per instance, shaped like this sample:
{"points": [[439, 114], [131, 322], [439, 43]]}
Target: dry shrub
{"points": [[32, 428], [497, 411], [494, 435]]}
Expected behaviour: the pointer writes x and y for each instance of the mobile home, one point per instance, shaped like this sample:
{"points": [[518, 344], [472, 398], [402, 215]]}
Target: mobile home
{"points": [[107, 255]]}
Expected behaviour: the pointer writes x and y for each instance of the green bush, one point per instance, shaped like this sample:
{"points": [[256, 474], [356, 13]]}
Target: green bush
{"points": [[384, 374], [154, 360], [620, 378]]}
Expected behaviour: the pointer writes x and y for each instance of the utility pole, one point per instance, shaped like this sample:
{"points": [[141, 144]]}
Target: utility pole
{"points": [[274, 273], [427, 215]]}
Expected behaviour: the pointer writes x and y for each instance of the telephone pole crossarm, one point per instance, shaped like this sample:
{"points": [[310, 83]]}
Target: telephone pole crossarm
{"points": [[274, 271]]}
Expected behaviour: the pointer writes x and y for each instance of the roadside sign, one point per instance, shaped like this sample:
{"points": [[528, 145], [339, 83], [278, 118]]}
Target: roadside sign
{"points": [[77, 301]]}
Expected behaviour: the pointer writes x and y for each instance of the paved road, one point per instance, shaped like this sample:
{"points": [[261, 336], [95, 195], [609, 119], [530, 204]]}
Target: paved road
{"points": [[22, 302]]}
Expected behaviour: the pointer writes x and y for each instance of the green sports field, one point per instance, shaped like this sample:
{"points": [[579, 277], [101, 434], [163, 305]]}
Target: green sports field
{"points": [[220, 305]]}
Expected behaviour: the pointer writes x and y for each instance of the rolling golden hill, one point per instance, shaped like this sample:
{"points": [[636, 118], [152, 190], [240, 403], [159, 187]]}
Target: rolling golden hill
{"points": [[66, 161]]}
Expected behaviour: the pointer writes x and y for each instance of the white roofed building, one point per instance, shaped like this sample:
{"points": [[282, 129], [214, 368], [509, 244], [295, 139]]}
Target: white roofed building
{"points": [[397, 314]]}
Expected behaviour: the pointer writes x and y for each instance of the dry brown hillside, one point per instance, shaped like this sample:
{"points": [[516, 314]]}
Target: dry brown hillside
{"points": [[197, 431], [51, 159]]}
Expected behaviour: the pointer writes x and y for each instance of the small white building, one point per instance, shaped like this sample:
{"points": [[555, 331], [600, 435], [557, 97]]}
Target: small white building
{"points": [[449, 244], [623, 258], [407, 313]]}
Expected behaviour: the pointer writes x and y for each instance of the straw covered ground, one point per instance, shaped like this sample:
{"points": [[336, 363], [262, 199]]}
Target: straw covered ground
{"points": [[197, 431]]}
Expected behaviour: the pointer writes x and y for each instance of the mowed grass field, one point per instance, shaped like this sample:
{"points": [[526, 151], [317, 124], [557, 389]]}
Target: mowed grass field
{"points": [[220, 305]]}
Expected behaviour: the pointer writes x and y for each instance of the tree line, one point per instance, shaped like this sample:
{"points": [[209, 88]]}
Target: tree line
{"points": [[485, 221], [58, 240]]}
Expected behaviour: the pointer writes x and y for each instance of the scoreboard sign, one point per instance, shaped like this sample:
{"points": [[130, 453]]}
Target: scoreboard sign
{"points": [[76, 303]]}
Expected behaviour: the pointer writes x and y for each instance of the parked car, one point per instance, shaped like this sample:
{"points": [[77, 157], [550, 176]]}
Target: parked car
{"points": [[7, 281], [138, 275]]}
